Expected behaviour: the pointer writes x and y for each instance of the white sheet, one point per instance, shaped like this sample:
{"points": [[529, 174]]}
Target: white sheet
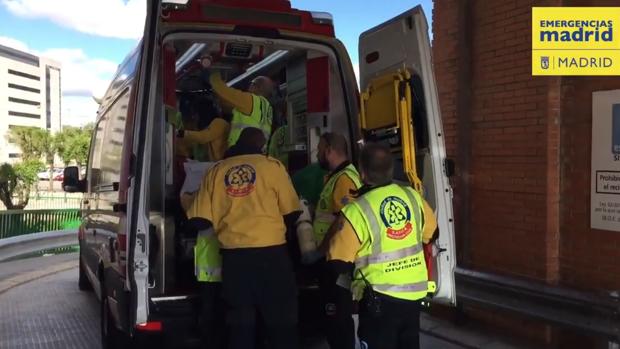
{"points": [[194, 173]]}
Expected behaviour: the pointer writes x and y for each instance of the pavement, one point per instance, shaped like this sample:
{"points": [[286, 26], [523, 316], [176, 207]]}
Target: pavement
{"points": [[42, 307]]}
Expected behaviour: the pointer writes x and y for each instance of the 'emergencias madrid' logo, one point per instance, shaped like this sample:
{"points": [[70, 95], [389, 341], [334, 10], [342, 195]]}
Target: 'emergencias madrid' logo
{"points": [[576, 41]]}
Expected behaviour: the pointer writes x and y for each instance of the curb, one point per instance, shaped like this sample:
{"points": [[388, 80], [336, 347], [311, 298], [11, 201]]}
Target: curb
{"points": [[12, 282], [17, 246]]}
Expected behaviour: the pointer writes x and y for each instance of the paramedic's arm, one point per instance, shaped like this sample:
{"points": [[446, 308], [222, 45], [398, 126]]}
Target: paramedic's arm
{"points": [[430, 223], [186, 200], [240, 100], [342, 193], [200, 213], [216, 129], [343, 247]]}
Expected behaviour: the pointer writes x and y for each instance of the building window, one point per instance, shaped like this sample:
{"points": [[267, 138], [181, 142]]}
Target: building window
{"points": [[24, 101], [24, 75], [15, 155], [25, 115], [24, 88]]}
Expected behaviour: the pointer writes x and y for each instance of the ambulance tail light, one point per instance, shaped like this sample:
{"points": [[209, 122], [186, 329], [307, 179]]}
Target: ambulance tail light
{"points": [[151, 326]]}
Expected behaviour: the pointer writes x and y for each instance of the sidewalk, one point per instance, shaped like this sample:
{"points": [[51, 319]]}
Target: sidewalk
{"points": [[467, 336]]}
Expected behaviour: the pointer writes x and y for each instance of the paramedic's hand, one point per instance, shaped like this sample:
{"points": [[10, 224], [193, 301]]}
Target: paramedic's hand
{"points": [[305, 215], [206, 61], [312, 257]]}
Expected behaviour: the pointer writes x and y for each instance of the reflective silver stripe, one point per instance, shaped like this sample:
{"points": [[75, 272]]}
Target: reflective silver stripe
{"points": [[241, 125], [206, 233], [210, 271], [325, 217], [375, 228], [416, 212], [384, 257], [415, 287], [214, 271]]}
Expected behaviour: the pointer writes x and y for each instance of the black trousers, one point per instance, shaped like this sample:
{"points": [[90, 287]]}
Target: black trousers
{"points": [[258, 283], [396, 327], [337, 303], [212, 315]]}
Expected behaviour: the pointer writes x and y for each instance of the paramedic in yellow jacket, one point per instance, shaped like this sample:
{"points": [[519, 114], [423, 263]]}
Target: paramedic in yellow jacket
{"points": [[249, 109], [341, 183], [249, 200], [382, 233], [206, 144]]}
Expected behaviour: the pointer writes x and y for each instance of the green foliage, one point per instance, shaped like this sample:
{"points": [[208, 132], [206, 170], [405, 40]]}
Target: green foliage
{"points": [[27, 139], [8, 184], [16, 181], [72, 144], [27, 171]]}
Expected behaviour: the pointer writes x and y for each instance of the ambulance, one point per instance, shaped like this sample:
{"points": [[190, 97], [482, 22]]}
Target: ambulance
{"points": [[133, 253]]}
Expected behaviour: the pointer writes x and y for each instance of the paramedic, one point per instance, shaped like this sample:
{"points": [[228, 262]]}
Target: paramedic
{"points": [[210, 142], [208, 271], [382, 233], [341, 181], [340, 184], [249, 200], [249, 109]]}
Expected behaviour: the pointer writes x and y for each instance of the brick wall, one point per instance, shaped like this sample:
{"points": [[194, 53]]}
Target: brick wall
{"points": [[522, 150]]}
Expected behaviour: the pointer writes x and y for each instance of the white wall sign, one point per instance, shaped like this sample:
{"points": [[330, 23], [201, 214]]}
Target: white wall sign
{"points": [[605, 190]]}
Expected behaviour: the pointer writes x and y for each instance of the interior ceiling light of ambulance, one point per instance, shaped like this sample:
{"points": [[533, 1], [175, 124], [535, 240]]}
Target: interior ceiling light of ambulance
{"points": [[175, 2], [188, 56], [272, 58]]}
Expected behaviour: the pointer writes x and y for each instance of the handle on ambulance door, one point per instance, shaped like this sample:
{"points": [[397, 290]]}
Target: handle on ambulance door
{"points": [[112, 245]]}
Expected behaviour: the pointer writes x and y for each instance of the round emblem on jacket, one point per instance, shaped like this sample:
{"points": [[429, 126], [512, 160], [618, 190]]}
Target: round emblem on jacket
{"points": [[396, 216], [239, 180]]}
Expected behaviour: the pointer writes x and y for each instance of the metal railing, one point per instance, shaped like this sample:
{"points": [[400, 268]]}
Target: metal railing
{"points": [[21, 222], [33, 244], [51, 201]]}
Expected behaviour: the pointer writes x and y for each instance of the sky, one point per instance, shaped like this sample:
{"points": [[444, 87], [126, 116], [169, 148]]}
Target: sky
{"points": [[91, 37]]}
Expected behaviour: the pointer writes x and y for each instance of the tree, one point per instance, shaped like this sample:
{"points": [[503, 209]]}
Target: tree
{"points": [[16, 181], [63, 144], [44, 143], [72, 144], [81, 144], [26, 139], [35, 144]]}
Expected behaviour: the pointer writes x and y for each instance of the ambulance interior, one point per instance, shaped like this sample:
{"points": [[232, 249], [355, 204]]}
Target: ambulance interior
{"points": [[309, 97]]}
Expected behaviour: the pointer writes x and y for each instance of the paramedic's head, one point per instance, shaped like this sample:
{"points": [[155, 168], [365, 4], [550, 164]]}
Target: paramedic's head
{"points": [[332, 151], [203, 111], [376, 164], [252, 138], [262, 86]]}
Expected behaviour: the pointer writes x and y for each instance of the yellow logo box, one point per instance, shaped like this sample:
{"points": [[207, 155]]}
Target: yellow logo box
{"points": [[576, 41]]}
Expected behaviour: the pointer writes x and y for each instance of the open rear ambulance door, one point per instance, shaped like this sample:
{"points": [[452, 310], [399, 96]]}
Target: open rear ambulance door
{"points": [[138, 192], [399, 106]]}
